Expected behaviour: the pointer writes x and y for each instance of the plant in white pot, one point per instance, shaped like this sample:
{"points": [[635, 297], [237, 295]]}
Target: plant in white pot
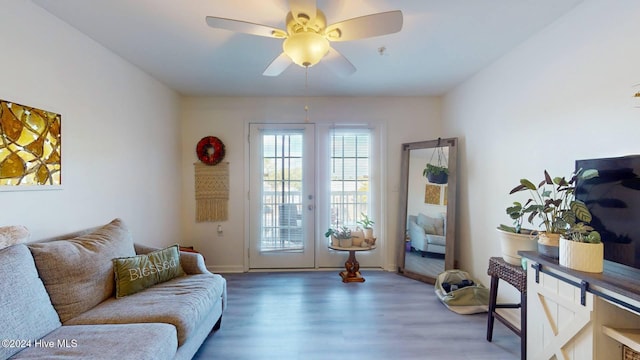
{"points": [[340, 236], [367, 225], [515, 238], [551, 202], [581, 247]]}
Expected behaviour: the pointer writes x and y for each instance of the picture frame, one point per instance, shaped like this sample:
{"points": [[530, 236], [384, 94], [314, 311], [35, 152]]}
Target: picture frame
{"points": [[30, 148]]}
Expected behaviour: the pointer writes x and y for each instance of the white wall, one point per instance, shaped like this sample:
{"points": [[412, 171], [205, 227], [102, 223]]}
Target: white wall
{"points": [[405, 119], [564, 94], [120, 131]]}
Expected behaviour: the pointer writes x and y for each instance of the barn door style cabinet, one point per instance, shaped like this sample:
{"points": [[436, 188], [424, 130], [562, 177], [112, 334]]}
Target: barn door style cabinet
{"points": [[575, 315]]}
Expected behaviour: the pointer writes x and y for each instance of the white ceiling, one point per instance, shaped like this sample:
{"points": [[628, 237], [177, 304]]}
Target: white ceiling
{"points": [[442, 43]]}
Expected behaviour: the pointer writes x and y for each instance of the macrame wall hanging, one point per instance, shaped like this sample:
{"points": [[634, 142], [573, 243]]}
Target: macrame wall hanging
{"points": [[211, 181]]}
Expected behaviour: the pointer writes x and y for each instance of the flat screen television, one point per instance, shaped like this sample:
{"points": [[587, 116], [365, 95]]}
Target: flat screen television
{"points": [[614, 201]]}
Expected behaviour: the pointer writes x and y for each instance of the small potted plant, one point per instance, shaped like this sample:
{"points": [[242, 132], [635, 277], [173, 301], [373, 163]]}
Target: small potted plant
{"points": [[581, 247], [436, 174], [552, 201], [367, 225], [340, 236]]}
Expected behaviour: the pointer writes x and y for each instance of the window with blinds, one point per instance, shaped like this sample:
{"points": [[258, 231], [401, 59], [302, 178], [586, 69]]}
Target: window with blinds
{"points": [[350, 176]]}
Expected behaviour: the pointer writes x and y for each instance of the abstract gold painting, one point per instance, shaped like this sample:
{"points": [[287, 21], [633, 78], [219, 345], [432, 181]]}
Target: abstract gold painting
{"points": [[432, 194], [30, 146]]}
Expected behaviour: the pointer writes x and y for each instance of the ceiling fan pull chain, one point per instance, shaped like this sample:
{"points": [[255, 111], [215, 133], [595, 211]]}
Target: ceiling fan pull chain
{"points": [[306, 94]]}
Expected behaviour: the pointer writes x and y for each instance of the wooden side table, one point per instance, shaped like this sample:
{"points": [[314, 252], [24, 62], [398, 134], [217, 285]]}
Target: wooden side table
{"points": [[352, 267], [516, 276], [190, 249]]}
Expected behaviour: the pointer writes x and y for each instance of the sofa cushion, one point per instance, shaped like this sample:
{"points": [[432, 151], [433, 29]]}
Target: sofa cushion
{"points": [[78, 272], [136, 273], [184, 302], [25, 308], [11, 235], [436, 239], [130, 341]]}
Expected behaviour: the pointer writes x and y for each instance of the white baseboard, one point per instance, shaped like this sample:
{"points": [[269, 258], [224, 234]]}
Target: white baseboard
{"points": [[240, 269], [226, 269]]}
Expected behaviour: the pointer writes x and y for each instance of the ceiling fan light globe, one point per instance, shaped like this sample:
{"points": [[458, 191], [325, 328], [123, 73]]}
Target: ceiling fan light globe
{"points": [[306, 48]]}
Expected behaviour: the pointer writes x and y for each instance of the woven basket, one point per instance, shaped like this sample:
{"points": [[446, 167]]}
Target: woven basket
{"points": [[630, 354]]}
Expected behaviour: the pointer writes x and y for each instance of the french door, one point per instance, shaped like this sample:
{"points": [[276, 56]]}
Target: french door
{"points": [[281, 196]]}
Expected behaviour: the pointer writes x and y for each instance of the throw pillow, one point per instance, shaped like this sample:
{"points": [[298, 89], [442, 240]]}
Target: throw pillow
{"points": [[430, 229], [11, 235], [78, 272], [136, 273], [431, 225]]}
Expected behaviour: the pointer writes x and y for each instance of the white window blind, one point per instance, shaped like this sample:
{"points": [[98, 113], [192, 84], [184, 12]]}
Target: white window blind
{"points": [[350, 175]]}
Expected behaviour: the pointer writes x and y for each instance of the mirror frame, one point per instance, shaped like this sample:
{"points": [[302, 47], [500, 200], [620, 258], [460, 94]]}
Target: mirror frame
{"points": [[450, 232]]}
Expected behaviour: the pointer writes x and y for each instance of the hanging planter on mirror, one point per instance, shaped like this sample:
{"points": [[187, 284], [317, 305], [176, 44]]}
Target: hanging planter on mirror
{"points": [[440, 178], [437, 173]]}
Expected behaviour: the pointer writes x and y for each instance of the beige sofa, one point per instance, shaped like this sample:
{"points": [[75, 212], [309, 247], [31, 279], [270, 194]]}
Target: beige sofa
{"points": [[57, 300]]}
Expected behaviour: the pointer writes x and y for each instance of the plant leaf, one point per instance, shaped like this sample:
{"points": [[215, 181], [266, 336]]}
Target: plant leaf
{"points": [[560, 181], [528, 184], [517, 188], [580, 209], [594, 237], [507, 228], [547, 178], [569, 217]]}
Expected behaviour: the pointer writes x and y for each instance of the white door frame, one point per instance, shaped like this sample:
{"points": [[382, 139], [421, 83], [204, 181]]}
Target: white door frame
{"points": [[276, 259], [385, 244]]}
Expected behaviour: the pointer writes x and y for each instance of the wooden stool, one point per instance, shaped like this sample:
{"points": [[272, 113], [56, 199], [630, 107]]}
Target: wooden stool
{"points": [[516, 276]]}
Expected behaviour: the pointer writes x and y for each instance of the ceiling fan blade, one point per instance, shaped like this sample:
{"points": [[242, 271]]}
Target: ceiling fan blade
{"points": [[278, 65], [245, 27], [306, 7], [338, 63], [366, 26]]}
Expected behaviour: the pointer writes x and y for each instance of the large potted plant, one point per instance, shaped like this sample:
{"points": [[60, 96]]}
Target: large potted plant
{"points": [[553, 202], [515, 238]]}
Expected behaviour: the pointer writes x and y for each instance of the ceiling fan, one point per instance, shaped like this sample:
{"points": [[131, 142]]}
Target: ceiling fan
{"points": [[307, 38]]}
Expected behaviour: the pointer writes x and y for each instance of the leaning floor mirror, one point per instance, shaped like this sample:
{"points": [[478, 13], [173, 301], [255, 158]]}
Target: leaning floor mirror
{"points": [[426, 228]]}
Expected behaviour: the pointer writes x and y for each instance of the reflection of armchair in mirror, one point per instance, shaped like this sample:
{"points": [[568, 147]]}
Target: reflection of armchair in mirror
{"points": [[426, 234], [427, 238]]}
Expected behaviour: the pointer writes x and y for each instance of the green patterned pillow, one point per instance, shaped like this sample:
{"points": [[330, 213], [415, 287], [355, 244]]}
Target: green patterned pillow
{"points": [[136, 273]]}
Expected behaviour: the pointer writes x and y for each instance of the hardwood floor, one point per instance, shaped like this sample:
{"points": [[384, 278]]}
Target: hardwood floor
{"points": [[429, 264], [313, 315]]}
